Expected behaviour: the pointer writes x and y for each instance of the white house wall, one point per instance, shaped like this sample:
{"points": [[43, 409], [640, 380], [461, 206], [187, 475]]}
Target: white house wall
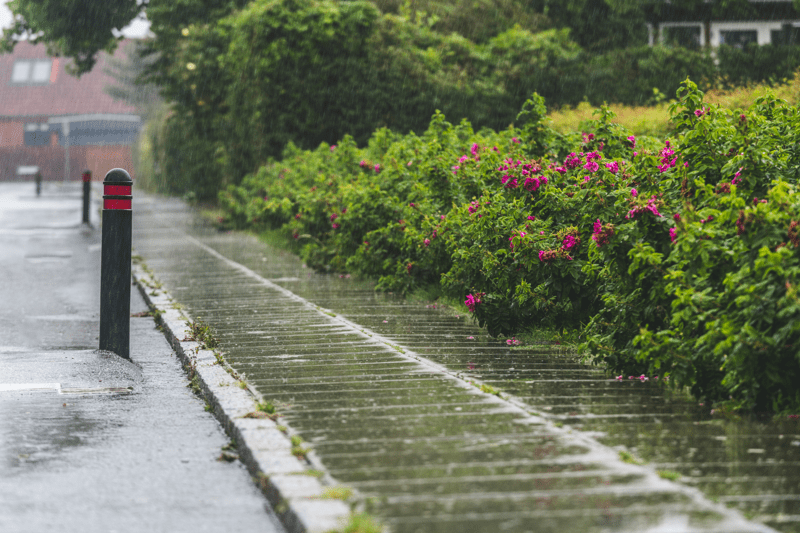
{"points": [[763, 30]]}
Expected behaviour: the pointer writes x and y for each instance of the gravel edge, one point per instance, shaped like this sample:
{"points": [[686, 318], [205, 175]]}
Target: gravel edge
{"points": [[297, 498]]}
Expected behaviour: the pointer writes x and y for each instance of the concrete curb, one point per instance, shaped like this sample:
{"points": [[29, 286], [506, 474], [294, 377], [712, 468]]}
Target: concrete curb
{"points": [[296, 496]]}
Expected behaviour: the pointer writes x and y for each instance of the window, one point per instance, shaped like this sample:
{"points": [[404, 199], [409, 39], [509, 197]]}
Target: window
{"points": [[738, 39], [37, 134], [31, 71], [787, 35], [684, 36]]}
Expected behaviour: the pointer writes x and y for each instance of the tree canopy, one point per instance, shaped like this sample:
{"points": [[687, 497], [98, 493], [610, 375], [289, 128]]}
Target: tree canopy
{"points": [[75, 28]]}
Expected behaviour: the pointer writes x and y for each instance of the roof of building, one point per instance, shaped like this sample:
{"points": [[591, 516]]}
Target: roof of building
{"points": [[42, 88]]}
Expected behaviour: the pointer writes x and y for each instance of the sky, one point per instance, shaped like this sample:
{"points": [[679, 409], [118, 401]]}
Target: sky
{"points": [[137, 29]]}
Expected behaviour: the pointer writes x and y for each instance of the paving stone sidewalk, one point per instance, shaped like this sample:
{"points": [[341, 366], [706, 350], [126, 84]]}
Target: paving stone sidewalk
{"points": [[387, 392]]}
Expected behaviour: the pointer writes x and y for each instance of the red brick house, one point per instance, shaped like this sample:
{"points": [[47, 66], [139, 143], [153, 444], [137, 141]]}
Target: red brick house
{"points": [[57, 124]]}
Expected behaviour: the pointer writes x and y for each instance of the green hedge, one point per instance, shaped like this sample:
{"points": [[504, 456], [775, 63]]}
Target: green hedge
{"points": [[679, 259]]}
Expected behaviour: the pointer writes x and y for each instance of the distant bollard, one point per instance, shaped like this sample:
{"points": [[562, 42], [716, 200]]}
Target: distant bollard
{"points": [[87, 185], [115, 264], [38, 179]]}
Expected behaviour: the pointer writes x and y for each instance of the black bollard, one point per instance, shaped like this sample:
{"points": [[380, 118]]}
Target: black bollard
{"points": [[38, 179], [115, 264], [87, 185]]}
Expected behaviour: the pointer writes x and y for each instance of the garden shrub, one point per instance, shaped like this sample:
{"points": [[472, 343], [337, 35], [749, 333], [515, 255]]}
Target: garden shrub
{"points": [[677, 257], [757, 63]]}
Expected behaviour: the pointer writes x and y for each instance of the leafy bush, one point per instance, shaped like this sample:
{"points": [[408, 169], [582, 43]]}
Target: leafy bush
{"points": [[757, 63], [678, 257]]}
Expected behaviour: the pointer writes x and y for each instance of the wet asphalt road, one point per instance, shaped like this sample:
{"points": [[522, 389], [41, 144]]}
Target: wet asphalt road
{"points": [[90, 442]]}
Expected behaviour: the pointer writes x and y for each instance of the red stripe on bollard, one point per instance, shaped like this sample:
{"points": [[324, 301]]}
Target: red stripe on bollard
{"points": [[87, 176], [122, 190], [116, 203]]}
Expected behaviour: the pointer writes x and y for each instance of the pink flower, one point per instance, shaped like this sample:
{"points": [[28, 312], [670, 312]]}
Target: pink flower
{"points": [[334, 217], [636, 211], [362, 163], [632, 139], [594, 156], [569, 242], [591, 166], [412, 204], [633, 192], [463, 158], [513, 341], [531, 217], [297, 216], [335, 225], [515, 140], [409, 163], [572, 161], [673, 234], [541, 233], [474, 149], [442, 217], [377, 168], [602, 235], [473, 301], [643, 378], [532, 184], [333, 147], [619, 378], [427, 242], [560, 170], [471, 338], [613, 167], [666, 162]]}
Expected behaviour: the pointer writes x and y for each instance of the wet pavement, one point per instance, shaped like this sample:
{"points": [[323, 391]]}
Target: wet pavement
{"points": [[90, 442], [386, 392]]}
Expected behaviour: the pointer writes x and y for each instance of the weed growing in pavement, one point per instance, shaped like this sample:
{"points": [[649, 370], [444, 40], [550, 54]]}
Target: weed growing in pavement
{"points": [[337, 493], [668, 474], [265, 407], [310, 472], [396, 347], [488, 389], [298, 448], [283, 429], [263, 410], [628, 457], [360, 523], [201, 333]]}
